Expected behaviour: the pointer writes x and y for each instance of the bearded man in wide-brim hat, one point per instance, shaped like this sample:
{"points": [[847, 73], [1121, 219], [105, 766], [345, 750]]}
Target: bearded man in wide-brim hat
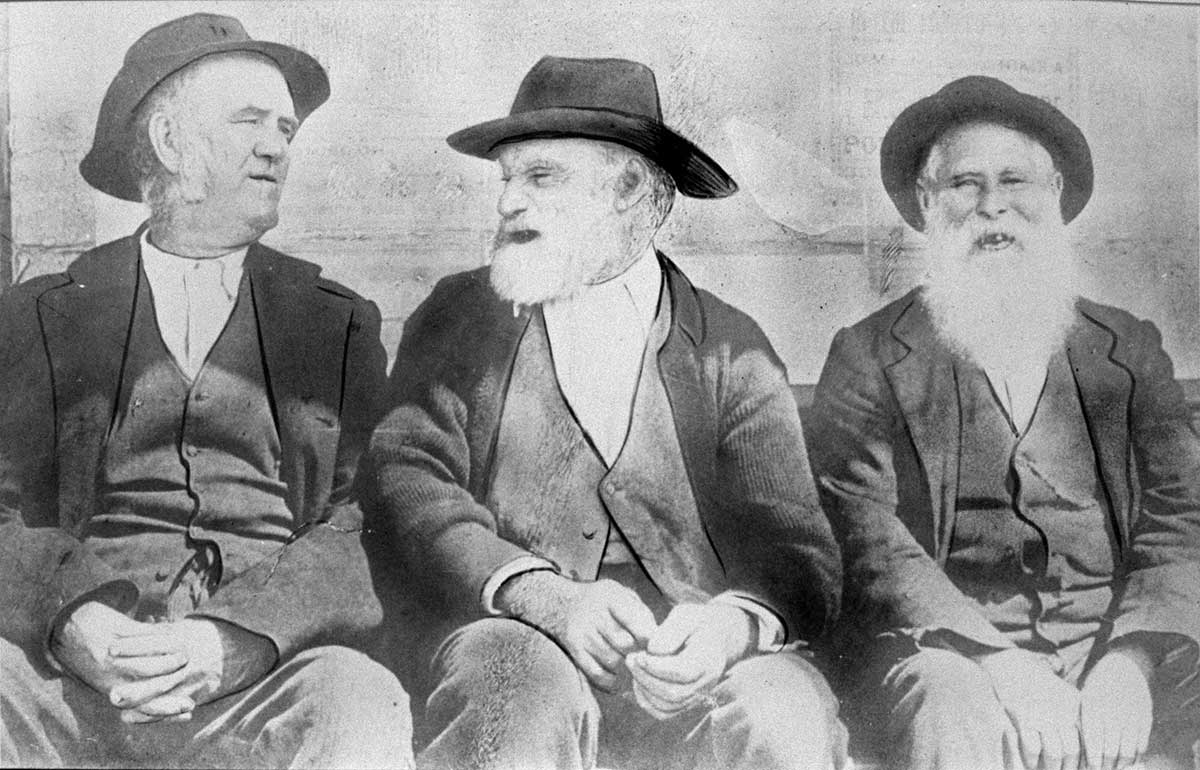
{"points": [[595, 472], [1011, 471], [183, 412]]}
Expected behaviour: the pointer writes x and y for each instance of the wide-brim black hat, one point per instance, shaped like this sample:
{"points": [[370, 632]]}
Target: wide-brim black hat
{"points": [[906, 144], [159, 53], [608, 99]]}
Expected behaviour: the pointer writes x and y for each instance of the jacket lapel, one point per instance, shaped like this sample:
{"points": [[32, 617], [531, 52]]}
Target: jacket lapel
{"points": [[86, 324], [1105, 384], [925, 383], [694, 413], [302, 332]]}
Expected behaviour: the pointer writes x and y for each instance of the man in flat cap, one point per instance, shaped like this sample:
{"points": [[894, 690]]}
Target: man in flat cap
{"points": [[1010, 470], [183, 413], [595, 471]]}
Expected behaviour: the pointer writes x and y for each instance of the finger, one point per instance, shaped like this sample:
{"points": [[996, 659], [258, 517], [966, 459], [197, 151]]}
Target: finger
{"points": [[618, 638], [670, 637], [635, 617], [591, 668], [600, 651], [148, 666], [134, 694], [666, 692], [1030, 742], [1052, 753], [1010, 746], [651, 705], [171, 706], [143, 645], [678, 669]]}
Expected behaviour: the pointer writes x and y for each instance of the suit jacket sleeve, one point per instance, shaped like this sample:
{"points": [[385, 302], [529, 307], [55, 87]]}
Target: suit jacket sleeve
{"points": [[43, 565], [318, 588], [426, 452], [774, 540], [859, 446], [1162, 563]]}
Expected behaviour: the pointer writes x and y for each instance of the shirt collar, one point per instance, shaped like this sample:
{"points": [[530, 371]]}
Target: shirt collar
{"points": [[158, 263], [634, 291]]}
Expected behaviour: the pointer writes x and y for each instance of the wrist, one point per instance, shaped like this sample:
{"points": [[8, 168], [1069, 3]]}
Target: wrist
{"points": [[740, 631], [539, 597]]}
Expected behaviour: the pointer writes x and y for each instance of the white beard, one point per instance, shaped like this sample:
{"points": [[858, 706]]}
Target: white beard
{"points": [[1009, 310], [553, 267]]}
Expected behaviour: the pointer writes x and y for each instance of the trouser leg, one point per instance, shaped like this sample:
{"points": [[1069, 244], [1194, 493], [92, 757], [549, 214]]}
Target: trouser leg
{"points": [[324, 707], [48, 720], [937, 711], [769, 711], [508, 697]]}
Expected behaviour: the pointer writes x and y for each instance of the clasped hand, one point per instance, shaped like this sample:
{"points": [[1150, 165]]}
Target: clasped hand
{"points": [[612, 636], [158, 671], [1105, 725]]}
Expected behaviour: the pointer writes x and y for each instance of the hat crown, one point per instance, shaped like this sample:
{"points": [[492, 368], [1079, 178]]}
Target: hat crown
{"points": [[617, 85], [186, 34]]}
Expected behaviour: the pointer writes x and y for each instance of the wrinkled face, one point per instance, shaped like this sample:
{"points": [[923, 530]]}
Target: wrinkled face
{"points": [[991, 186], [237, 122], [558, 226]]}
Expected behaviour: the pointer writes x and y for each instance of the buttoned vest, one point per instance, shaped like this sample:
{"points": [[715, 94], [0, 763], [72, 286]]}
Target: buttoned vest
{"points": [[189, 493], [551, 492], [1033, 541]]}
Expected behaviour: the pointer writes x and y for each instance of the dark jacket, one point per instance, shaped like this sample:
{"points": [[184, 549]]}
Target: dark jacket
{"points": [[63, 340], [733, 413], [885, 445]]}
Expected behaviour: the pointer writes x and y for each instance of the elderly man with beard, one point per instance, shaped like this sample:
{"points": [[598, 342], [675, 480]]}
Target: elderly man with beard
{"points": [[596, 473], [1010, 470], [183, 412]]}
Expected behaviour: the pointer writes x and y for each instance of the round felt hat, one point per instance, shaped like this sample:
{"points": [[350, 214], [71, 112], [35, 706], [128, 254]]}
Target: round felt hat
{"points": [[613, 100], [156, 55], [906, 144]]}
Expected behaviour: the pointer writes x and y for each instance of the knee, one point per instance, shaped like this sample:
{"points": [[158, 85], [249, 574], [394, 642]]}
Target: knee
{"points": [[778, 709], [503, 658], [343, 681], [943, 712], [943, 682]]}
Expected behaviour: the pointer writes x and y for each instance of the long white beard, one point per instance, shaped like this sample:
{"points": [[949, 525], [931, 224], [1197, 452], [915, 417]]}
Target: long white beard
{"points": [[1008, 310]]}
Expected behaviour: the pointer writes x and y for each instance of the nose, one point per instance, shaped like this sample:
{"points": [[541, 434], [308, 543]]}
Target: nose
{"points": [[992, 202], [272, 144], [512, 200]]}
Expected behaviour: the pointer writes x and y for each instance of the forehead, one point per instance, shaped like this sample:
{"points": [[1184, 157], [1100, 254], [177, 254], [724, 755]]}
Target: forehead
{"points": [[229, 82], [988, 146], [568, 153]]}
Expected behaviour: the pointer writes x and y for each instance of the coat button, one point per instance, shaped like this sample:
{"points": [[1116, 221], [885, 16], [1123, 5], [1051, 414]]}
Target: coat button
{"points": [[191, 450], [588, 535]]}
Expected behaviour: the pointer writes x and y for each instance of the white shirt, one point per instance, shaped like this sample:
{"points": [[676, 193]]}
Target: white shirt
{"points": [[193, 299], [597, 341], [1019, 391]]}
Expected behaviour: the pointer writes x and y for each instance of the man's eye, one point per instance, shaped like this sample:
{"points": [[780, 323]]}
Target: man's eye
{"points": [[960, 184]]}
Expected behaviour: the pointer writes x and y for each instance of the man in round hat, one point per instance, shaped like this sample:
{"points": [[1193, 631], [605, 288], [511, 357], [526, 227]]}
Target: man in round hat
{"points": [[183, 412], [595, 471], [1010, 469]]}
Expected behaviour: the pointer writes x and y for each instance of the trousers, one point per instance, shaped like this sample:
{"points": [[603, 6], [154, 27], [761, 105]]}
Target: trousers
{"points": [[506, 696], [936, 710], [324, 707]]}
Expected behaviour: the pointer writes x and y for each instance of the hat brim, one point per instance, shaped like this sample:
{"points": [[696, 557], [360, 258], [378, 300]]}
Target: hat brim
{"points": [[906, 144], [107, 165], [696, 175]]}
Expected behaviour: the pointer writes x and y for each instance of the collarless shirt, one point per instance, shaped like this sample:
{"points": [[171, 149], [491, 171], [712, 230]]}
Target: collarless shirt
{"points": [[597, 338], [193, 299]]}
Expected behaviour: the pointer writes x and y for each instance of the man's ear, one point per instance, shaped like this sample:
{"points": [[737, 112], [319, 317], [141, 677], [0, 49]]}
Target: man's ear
{"points": [[164, 137], [632, 184]]}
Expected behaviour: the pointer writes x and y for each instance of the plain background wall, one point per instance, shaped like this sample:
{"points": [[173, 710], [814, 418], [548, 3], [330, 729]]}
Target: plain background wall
{"points": [[791, 98]]}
